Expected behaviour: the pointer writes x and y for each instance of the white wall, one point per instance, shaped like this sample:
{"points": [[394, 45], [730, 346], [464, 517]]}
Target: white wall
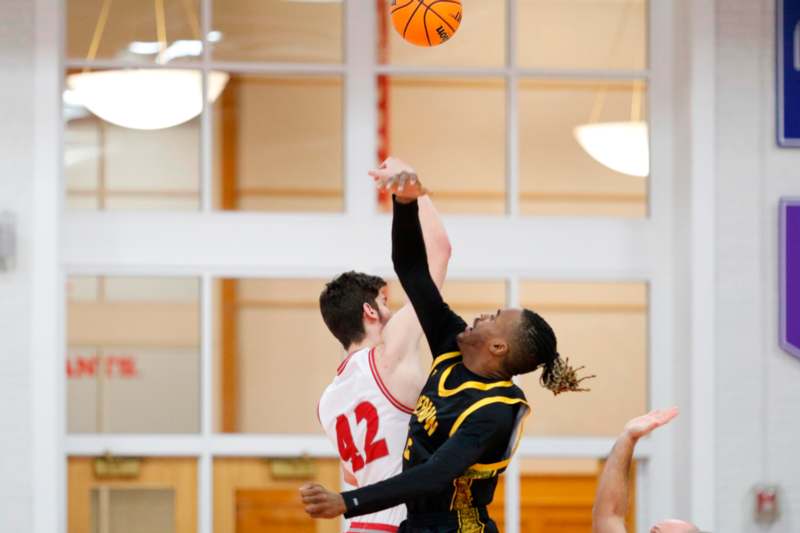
{"points": [[16, 172], [758, 386]]}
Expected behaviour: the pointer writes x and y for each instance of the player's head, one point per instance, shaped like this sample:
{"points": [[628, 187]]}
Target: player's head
{"points": [[674, 526], [353, 302], [520, 341]]}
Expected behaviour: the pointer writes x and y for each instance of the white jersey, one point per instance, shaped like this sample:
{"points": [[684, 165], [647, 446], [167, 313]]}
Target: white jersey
{"points": [[368, 426]]}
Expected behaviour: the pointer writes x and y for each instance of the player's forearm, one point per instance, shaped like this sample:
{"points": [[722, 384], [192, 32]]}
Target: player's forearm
{"points": [[431, 477], [437, 243], [611, 501]]}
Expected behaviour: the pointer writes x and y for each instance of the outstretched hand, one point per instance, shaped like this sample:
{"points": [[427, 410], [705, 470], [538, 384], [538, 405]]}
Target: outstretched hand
{"points": [[398, 178], [320, 502], [643, 425]]}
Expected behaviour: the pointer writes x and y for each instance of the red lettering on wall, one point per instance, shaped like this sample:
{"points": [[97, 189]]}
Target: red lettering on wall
{"points": [[115, 366]]}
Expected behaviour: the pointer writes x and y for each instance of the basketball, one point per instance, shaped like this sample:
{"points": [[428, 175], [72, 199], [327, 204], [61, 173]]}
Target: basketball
{"points": [[426, 22]]}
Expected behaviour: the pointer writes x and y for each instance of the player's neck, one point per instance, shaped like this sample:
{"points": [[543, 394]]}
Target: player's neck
{"points": [[372, 338], [477, 364]]}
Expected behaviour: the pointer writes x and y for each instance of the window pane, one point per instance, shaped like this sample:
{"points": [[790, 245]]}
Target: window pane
{"points": [[480, 40], [133, 355], [452, 131], [131, 495], [559, 177], [127, 30], [278, 30], [273, 345], [557, 495], [593, 34], [110, 167], [278, 144], [604, 327], [251, 494], [133, 511]]}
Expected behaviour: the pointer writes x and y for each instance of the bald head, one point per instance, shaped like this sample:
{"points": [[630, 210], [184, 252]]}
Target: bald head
{"points": [[674, 526]]}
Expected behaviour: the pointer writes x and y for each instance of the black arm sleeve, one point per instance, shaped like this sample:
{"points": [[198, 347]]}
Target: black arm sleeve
{"points": [[438, 321], [489, 428]]}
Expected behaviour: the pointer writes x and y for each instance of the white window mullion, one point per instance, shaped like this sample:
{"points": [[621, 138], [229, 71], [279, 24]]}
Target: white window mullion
{"points": [[512, 474], [512, 113], [206, 137], [205, 478], [360, 108]]}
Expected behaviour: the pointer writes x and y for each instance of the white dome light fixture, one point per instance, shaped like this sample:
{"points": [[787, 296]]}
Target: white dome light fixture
{"points": [[620, 146], [147, 98]]}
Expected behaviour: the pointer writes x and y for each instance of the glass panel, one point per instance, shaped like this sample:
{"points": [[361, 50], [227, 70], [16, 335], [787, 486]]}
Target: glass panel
{"points": [[252, 494], [131, 495], [133, 355], [480, 40], [273, 345], [591, 34], [128, 30], [110, 167], [557, 175], [459, 155], [133, 510], [556, 495], [278, 144], [278, 31], [604, 327]]}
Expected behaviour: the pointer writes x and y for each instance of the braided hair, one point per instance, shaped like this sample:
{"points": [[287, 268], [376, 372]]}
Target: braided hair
{"points": [[536, 338]]}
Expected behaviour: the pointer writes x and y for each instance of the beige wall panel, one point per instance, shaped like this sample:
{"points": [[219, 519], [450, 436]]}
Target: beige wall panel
{"points": [[582, 33], [452, 131], [138, 324], [287, 358]]}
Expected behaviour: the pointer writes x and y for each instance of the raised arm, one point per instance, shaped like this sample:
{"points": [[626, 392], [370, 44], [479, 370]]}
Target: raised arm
{"points": [[488, 428], [438, 321], [611, 501]]}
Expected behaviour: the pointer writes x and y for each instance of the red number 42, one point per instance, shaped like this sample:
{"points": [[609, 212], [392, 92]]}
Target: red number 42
{"points": [[344, 437]]}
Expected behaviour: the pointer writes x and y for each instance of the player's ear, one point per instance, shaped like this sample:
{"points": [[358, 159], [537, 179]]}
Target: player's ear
{"points": [[498, 347], [370, 313]]}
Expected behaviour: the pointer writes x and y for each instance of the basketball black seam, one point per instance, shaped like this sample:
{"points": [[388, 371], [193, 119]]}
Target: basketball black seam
{"points": [[425, 26], [401, 7], [428, 8], [408, 22]]}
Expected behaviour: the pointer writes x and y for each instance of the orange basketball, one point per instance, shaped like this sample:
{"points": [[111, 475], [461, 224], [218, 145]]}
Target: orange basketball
{"points": [[426, 22]]}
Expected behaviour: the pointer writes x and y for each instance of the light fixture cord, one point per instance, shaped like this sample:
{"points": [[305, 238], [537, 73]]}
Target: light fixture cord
{"points": [[191, 18], [97, 36], [600, 98], [161, 28]]}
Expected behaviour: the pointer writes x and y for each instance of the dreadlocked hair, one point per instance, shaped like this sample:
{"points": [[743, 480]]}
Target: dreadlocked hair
{"points": [[558, 376]]}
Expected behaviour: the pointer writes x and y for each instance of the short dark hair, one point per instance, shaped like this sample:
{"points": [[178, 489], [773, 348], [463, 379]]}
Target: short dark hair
{"points": [[534, 346], [341, 303]]}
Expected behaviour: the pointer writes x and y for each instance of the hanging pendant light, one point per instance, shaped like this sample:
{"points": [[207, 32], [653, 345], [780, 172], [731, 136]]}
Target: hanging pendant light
{"points": [[144, 98], [621, 146]]}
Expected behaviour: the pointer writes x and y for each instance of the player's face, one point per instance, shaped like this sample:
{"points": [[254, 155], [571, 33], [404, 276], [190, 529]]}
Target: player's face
{"points": [[486, 327]]}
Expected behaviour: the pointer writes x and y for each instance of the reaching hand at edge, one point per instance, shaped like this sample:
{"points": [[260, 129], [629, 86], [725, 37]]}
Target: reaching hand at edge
{"points": [[642, 425], [398, 178]]}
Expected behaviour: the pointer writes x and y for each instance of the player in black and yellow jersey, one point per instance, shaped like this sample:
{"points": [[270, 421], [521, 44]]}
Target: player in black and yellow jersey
{"points": [[469, 415]]}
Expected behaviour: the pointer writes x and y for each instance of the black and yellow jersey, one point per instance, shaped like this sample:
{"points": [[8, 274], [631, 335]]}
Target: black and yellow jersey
{"points": [[465, 427], [485, 414]]}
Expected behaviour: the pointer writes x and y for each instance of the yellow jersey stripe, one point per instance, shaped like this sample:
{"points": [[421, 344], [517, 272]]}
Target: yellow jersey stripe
{"points": [[444, 392], [482, 403], [444, 357]]}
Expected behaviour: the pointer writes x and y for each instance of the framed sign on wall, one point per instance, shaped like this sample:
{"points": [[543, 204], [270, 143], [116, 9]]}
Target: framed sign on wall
{"points": [[790, 275], [788, 71]]}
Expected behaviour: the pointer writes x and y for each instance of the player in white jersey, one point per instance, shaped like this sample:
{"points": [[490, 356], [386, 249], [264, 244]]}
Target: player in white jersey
{"points": [[366, 409]]}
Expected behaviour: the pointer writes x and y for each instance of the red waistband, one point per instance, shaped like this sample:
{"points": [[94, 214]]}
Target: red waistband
{"points": [[362, 527]]}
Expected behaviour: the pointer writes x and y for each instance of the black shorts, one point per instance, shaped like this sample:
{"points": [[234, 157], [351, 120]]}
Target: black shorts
{"points": [[474, 520]]}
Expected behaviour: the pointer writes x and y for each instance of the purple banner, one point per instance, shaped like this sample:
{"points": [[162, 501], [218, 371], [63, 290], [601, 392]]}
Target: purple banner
{"points": [[790, 276]]}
